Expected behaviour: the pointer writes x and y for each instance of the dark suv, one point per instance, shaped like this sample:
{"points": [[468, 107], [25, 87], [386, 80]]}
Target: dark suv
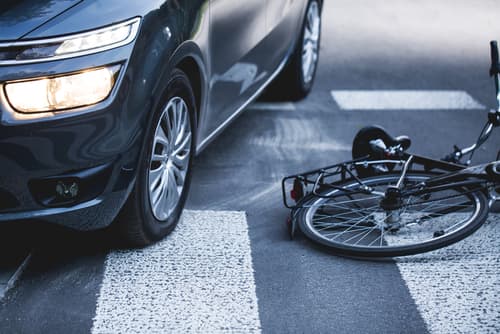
{"points": [[103, 103]]}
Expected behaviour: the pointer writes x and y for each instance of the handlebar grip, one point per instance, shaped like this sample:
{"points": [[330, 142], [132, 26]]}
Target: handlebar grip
{"points": [[495, 67]]}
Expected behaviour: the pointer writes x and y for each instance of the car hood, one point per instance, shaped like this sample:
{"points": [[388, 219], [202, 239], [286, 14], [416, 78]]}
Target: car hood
{"points": [[19, 17]]}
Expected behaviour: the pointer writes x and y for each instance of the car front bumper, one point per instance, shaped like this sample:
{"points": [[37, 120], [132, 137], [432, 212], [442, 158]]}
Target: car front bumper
{"points": [[34, 161], [97, 146]]}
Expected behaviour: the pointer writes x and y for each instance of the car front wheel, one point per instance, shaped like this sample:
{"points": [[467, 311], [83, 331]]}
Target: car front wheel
{"points": [[159, 194]]}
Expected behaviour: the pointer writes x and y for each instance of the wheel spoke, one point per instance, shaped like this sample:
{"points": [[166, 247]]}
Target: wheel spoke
{"points": [[173, 191], [170, 158], [159, 157], [179, 175], [364, 235], [165, 130], [358, 222], [181, 120], [155, 177], [183, 146], [159, 191], [348, 213], [352, 226], [162, 138], [307, 35], [162, 202]]}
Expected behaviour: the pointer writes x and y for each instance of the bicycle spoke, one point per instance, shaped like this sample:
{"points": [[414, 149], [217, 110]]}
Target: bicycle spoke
{"points": [[337, 203], [352, 230], [364, 236], [362, 220], [348, 212], [350, 220], [356, 220]]}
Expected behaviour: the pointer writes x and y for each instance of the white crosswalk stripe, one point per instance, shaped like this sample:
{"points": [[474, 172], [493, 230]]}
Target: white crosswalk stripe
{"points": [[457, 288], [273, 106], [198, 280], [404, 100]]}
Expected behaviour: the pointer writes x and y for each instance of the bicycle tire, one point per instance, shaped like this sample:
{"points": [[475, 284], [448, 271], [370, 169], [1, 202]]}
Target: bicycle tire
{"points": [[475, 207]]}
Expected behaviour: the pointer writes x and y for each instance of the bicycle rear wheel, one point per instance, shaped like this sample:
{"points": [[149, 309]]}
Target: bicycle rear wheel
{"points": [[351, 221]]}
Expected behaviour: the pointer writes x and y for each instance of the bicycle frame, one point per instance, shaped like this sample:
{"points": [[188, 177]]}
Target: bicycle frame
{"points": [[448, 175], [481, 177]]}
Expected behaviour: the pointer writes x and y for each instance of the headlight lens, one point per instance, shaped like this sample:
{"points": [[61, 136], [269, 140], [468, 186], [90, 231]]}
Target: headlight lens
{"points": [[69, 46], [99, 39], [62, 92]]}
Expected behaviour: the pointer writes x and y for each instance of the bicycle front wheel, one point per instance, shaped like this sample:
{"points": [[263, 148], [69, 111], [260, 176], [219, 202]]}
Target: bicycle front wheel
{"points": [[352, 221]]}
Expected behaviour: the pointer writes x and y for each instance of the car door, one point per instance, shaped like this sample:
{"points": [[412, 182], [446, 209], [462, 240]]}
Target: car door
{"points": [[236, 29], [283, 23]]}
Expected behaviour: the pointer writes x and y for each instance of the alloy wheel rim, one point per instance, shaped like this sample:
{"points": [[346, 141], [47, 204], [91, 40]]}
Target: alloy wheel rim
{"points": [[170, 157], [310, 44]]}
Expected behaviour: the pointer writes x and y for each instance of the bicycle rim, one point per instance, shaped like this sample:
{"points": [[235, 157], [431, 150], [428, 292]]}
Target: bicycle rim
{"points": [[355, 223]]}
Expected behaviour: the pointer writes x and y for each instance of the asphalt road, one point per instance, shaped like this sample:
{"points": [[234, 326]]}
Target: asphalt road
{"points": [[299, 288]]}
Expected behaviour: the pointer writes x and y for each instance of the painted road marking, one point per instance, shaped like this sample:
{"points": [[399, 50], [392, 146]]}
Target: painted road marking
{"points": [[198, 280], [331, 145], [457, 288], [405, 100], [9, 278], [289, 106], [295, 135]]}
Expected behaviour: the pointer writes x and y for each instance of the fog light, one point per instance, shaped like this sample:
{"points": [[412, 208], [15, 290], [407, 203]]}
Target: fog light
{"points": [[67, 190], [62, 92], [71, 188]]}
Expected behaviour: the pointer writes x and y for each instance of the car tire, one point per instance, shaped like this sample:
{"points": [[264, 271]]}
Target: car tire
{"points": [[164, 172], [295, 82]]}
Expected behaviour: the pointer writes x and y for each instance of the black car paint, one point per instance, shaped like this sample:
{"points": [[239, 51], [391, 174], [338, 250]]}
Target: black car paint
{"points": [[20, 18], [206, 39]]}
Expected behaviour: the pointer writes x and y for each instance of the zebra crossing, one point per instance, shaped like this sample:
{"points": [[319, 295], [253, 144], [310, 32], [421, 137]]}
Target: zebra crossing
{"points": [[201, 280], [198, 280]]}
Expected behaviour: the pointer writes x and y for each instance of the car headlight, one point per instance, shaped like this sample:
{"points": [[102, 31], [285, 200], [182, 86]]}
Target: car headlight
{"points": [[74, 45], [98, 39], [62, 92]]}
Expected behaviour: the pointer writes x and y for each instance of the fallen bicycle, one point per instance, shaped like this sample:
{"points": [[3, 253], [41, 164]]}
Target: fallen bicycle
{"points": [[387, 202]]}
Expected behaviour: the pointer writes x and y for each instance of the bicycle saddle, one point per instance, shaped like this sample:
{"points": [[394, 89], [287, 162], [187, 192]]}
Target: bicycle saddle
{"points": [[368, 143], [361, 145]]}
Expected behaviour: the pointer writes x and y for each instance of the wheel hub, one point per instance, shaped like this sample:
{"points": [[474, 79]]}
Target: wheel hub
{"points": [[392, 199]]}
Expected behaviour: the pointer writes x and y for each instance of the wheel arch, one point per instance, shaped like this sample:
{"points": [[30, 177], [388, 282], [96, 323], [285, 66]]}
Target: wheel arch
{"points": [[188, 57], [189, 66]]}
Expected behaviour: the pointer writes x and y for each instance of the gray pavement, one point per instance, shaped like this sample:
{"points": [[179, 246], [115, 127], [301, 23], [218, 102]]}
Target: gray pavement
{"points": [[302, 288]]}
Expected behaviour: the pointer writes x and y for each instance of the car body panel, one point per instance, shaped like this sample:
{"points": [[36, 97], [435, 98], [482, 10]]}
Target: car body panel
{"points": [[236, 55], [18, 18], [237, 28]]}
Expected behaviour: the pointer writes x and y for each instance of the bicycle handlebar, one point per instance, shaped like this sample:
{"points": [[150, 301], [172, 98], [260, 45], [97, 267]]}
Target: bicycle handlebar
{"points": [[493, 115], [495, 66], [494, 72]]}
